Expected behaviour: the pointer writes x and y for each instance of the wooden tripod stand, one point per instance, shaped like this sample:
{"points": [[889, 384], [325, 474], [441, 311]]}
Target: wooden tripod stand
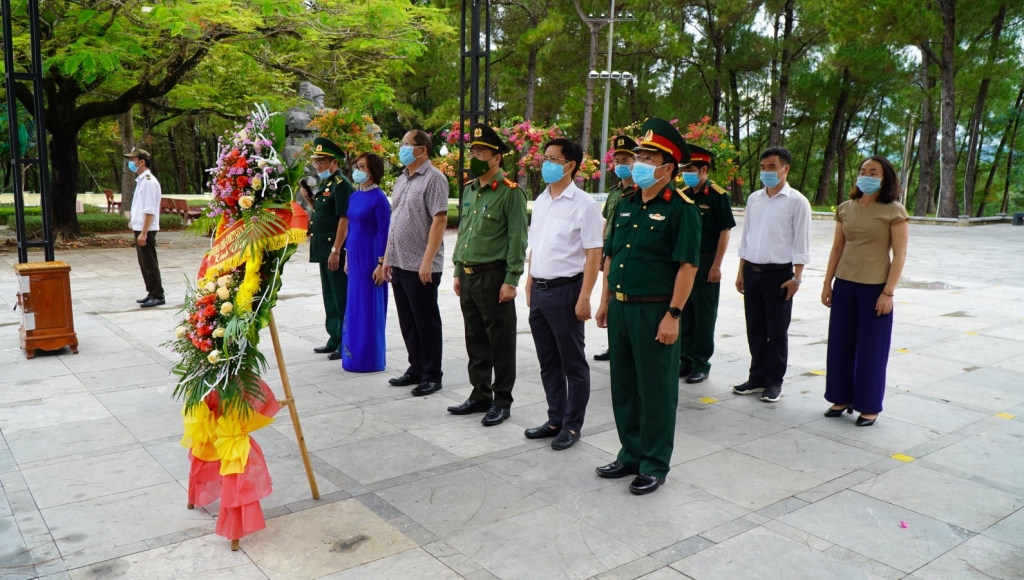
{"points": [[289, 401]]}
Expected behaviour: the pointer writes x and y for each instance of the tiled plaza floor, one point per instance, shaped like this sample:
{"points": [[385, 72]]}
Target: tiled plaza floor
{"points": [[93, 479]]}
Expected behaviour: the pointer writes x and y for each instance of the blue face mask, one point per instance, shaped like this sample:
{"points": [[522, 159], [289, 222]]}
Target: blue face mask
{"points": [[359, 176], [405, 154], [691, 179], [623, 171], [770, 178], [552, 172], [869, 185], [643, 175], [132, 167], [324, 174]]}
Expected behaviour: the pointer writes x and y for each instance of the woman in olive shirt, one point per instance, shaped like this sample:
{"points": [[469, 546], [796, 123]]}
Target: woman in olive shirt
{"points": [[869, 225]]}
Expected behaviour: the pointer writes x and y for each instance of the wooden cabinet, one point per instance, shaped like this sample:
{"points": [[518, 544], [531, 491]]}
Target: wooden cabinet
{"points": [[44, 298]]}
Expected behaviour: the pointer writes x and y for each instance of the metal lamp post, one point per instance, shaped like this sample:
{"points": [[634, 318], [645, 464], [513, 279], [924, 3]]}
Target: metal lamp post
{"points": [[608, 75]]}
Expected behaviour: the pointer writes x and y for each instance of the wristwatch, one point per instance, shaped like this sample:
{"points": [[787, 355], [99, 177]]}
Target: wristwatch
{"points": [[675, 312], [334, 250]]}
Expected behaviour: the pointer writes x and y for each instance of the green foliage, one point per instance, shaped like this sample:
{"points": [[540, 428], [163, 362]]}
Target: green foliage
{"points": [[100, 223]]}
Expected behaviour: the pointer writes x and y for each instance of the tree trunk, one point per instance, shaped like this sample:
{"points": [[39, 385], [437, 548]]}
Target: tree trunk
{"points": [[842, 154], [588, 105], [974, 127], [1005, 206], [807, 159], [923, 199], [64, 166], [825, 179], [947, 71], [734, 108], [715, 36], [531, 84], [999, 152], [127, 123], [781, 88]]}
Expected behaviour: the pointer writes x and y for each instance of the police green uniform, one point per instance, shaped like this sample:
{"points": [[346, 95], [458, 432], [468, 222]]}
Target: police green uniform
{"points": [[330, 205], [648, 242], [490, 251], [697, 324]]}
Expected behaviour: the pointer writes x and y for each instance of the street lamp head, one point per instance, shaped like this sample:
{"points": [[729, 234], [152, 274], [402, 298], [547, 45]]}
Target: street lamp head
{"points": [[594, 74], [627, 76], [604, 74], [616, 75]]}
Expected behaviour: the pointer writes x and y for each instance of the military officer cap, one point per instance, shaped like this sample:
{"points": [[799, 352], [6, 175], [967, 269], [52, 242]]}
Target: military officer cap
{"points": [[136, 152], [326, 148], [660, 135], [484, 135], [623, 144], [701, 155]]}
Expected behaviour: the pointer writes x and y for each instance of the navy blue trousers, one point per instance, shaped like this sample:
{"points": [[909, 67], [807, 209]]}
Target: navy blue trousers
{"points": [[858, 347], [768, 315]]}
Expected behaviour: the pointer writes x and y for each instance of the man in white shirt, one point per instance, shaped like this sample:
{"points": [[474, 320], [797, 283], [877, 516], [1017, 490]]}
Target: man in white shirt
{"points": [[145, 222], [775, 247], [565, 242]]}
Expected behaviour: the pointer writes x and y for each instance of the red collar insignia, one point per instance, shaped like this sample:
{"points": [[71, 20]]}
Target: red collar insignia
{"points": [[667, 196]]}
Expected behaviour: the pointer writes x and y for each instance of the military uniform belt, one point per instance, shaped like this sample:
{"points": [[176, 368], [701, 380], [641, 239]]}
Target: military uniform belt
{"points": [[768, 267], [626, 298], [478, 268], [556, 282]]}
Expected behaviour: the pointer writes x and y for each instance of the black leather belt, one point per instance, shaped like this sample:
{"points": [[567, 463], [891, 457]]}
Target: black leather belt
{"points": [[556, 282], [478, 268], [625, 298], [768, 267]]}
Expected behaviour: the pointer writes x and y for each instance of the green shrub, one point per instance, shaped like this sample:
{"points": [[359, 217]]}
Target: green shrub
{"points": [[91, 209], [7, 213], [453, 216], [102, 223]]}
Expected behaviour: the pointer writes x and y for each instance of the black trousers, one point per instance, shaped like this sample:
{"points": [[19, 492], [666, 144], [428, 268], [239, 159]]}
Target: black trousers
{"points": [[149, 265], [490, 337], [768, 314], [558, 336], [420, 321]]}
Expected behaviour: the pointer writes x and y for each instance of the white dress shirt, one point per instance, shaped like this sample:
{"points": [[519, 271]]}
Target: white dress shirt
{"points": [[777, 230], [146, 200], [561, 231]]}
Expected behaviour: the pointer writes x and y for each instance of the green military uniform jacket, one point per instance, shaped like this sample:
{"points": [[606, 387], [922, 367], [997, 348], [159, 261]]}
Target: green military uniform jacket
{"points": [[330, 204], [614, 195], [715, 207], [493, 227], [649, 240]]}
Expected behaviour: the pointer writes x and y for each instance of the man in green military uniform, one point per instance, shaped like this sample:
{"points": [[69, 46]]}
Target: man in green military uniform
{"points": [[651, 258], [622, 162], [328, 227], [490, 254], [697, 330]]}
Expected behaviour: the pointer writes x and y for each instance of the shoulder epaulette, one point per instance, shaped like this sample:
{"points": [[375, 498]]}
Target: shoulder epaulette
{"points": [[719, 188], [511, 184], [630, 191], [685, 198], [469, 181], [148, 177]]}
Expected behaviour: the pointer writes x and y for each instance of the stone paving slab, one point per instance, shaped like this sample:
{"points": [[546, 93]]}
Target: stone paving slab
{"points": [[92, 478]]}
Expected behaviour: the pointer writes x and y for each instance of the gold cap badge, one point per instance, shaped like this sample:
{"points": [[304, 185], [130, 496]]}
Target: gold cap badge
{"points": [[649, 136], [478, 132]]}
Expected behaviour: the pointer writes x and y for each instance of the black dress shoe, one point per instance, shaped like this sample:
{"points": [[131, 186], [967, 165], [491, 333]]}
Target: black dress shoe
{"points": [[403, 381], [470, 407], [684, 372], [545, 430], [323, 349], [839, 412], [862, 422], [153, 302], [615, 470], [335, 355], [695, 377], [602, 356], [565, 440], [425, 388], [645, 484], [495, 416], [141, 300]]}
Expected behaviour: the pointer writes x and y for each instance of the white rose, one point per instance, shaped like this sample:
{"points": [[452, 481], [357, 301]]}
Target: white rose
{"points": [[226, 308], [246, 201], [210, 287], [224, 281], [180, 332], [218, 333], [223, 293], [213, 357]]}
